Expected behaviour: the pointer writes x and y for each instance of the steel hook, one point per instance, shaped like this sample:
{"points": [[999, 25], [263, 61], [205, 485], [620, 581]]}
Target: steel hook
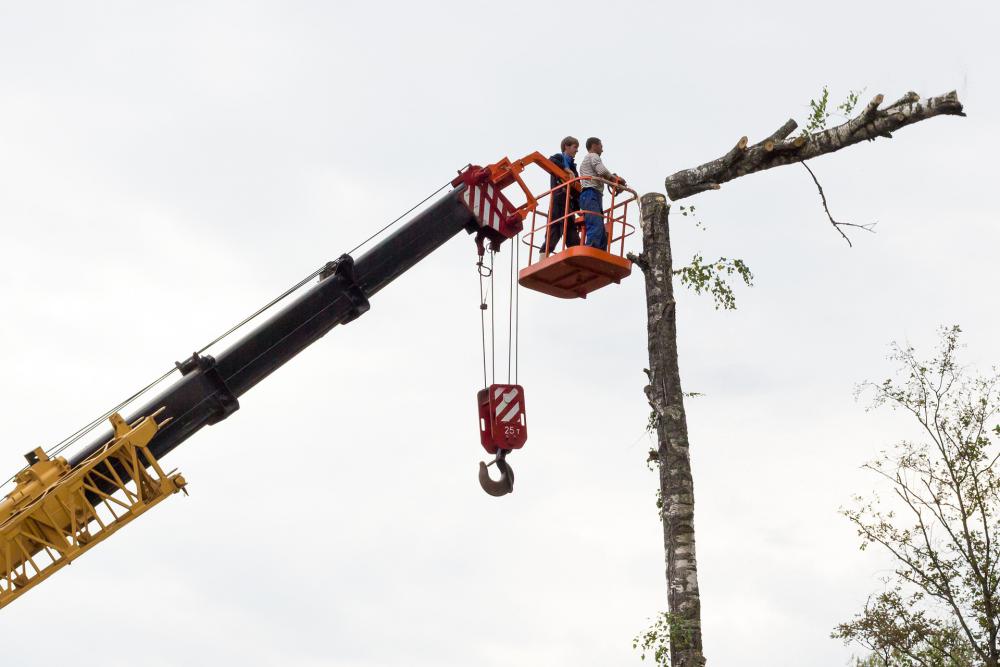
{"points": [[502, 486]]}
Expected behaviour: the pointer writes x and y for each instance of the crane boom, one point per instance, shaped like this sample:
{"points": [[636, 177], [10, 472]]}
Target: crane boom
{"points": [[210, 388], [61, 508]]}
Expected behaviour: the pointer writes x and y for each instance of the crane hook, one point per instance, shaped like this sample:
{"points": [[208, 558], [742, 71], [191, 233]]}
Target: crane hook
{"points": [[502, 486]]}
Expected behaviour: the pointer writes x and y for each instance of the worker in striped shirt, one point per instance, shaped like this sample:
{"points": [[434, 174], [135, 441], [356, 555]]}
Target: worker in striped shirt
{"points": [[592, 193]]}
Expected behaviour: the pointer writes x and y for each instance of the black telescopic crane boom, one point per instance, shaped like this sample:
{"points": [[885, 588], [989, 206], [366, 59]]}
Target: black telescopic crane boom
{"points": [[210, 388], [59, 509]]}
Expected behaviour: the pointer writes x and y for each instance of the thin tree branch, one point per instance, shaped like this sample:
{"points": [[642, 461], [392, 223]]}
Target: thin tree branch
{"points": [[941, 588], [926, 583], [837, 225]]}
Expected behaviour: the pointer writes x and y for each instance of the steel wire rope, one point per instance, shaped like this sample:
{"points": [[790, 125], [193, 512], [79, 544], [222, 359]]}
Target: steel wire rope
{"points": [[510, 311], [482, 317], [493, 325], [66, 442], [517, 314], [320, 270], [411, 210], [77, 435]]}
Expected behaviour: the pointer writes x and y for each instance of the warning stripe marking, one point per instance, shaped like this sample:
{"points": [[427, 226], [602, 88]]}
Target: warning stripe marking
{"points": [[507, 398], [512, 414], [484, 202]]}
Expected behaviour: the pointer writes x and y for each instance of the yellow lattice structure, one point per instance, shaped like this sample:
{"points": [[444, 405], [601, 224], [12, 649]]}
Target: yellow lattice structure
{"points": [[56, 512]]}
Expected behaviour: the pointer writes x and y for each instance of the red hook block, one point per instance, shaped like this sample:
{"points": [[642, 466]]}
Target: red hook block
{"points": [[502, 422]]}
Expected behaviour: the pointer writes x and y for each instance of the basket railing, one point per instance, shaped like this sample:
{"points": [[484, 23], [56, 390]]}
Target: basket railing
{"points": [[545, 222]]}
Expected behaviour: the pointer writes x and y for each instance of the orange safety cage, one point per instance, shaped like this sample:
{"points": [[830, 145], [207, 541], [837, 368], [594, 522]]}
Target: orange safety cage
{"points": [[565, 271], [570, 271]]}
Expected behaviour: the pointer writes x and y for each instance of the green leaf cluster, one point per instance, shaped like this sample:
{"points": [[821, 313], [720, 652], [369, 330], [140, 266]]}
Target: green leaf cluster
{"points": [[655, 641], [819, 113], [714, 278], [688, 211], [847, 106]]}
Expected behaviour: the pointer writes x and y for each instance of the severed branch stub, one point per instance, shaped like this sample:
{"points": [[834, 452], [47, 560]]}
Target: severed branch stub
{"points": [[777, 149]]}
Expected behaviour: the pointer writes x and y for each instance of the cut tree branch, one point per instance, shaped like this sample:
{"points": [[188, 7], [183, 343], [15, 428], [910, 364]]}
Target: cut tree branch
{"points": [[777, 150], [782, 132]]}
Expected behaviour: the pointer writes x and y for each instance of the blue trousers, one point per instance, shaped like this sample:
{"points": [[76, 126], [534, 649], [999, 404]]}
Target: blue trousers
{"points": [[592, 200]]}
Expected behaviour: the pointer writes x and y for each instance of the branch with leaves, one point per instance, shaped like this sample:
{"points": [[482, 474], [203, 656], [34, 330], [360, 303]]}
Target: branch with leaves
{"points": [[711, 277], [778, 149], [656, 640], [707, 277]]}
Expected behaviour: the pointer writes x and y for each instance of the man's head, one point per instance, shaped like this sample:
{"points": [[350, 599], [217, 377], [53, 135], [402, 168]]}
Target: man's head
{"points": [[594, 146], [569, 146]]}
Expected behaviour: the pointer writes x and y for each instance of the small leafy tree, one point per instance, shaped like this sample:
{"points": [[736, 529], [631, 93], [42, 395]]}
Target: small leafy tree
{"points": [[941, 521]]}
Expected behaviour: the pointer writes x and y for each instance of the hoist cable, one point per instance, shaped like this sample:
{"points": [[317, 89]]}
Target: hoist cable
{"points": [[320, 270], [58, 448], [67, 442], [482, 317], [493, 325], [265, 308], [411, 210], [77, 435], [510, 313], [517, 314]]}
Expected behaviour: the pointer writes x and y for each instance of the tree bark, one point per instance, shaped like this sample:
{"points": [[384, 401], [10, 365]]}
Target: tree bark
{"points": [[667, 400], [778, 150]]}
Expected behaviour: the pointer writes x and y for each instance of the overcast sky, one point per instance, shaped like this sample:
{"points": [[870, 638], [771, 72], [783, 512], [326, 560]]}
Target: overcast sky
{"points": [[165, 169]]}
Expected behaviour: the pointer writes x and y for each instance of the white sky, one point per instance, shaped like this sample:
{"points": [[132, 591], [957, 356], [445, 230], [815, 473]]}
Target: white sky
{"points": [[164, 170]]}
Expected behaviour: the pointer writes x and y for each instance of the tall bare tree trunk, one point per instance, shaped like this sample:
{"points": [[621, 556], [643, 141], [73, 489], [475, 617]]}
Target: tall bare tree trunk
{"points": [[667, 400]]}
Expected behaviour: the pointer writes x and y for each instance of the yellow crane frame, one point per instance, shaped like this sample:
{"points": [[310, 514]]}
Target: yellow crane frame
{"points": [[57, 512]]}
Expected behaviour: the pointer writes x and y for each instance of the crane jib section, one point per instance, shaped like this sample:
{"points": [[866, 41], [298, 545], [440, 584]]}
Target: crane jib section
{"points": [[210, 387], [61, 508]]}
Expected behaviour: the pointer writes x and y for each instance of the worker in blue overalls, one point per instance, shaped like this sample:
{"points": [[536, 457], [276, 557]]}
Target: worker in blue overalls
{"points": [[561, 214], [592, 193]]}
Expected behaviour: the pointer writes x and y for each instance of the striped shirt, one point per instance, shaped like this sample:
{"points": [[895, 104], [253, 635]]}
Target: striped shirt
{"points": [[591, 165]]}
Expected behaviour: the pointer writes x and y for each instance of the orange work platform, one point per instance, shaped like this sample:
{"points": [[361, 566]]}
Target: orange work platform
{"points": [[560, 263], [574, 272]]}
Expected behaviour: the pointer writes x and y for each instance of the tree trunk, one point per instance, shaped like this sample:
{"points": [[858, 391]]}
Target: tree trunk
{"points": [[667, 400]]}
